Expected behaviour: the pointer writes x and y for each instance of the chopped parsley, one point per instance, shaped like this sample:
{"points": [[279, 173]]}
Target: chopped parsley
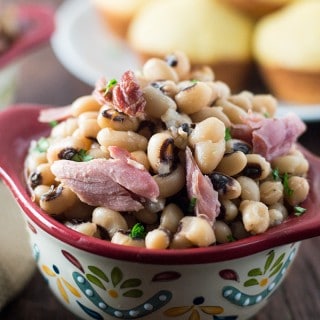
{"points": [[285, 181], [42, 145], [298, 211], [231, 238], [192, 204], [227, 134], [53, 123], [111, 83], [266, 115], [138, 231], [81, 156]]}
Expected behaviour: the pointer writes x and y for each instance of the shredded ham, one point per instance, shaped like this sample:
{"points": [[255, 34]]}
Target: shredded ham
{"points": [[114, 183], [55, 114], [270, 137], [199, 187]]}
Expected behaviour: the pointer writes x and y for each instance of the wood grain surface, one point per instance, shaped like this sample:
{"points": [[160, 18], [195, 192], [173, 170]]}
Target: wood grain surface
{"points": [[43, 79]]}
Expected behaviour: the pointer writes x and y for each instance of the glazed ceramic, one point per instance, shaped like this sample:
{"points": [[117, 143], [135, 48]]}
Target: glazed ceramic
{"points": [[96, 279]]}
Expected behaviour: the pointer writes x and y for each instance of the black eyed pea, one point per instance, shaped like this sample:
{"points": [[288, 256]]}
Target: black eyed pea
{"points": [[271, 192], [193, 96], [141, 157], [145, 216], [227, 187], [84, 104], [229, 209], [249, 189], [156, 69], [170, 217], [160, 152], [265, 104], [280, 207], [179, 241], [242, 100], [98, 152], [78, 211], [202, 73], [292, 164], [299, 189], [110, 220], [64, 128], [211, 129], [255, 216], [42, 175], [232, 163], [175, 119], [233, 112], [128, 140], [157, 103], [238, 230], [88, 125], [257, 167], [167, 87], [233, 145], [180, 62], [208, 112], [171, 183], [38, 191], [124, 239], [34, 159], [57, 200], [66, 148], [276, 217], [157, 239], [222, 232], [198, 231], [208, 154], [220, 90], [108, 117], [87, 228]]}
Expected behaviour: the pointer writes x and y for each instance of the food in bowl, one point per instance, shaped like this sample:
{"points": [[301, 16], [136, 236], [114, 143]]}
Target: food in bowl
{"points": [[169, 158], [286, 48]]}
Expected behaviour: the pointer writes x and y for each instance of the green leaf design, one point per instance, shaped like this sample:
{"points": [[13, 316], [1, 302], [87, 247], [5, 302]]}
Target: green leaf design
{"points": [[98, 272], [116, 276], [130, 283], [279, 260], [276, 270], [269, 261], [133, 293], [93, 279], [255, 272], [251, 282]]}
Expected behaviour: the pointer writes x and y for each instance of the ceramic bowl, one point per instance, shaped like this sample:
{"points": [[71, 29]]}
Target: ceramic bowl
{"points": [[37, 23], [95, 279]]}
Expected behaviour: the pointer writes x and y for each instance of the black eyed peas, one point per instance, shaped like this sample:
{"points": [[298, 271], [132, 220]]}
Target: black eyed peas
{"points": [[142, 124]]}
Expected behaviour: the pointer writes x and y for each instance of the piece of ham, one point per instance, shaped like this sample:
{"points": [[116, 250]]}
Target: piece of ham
{"points": [[200, 188], [120, 184], [270, 137], [54, 114]]}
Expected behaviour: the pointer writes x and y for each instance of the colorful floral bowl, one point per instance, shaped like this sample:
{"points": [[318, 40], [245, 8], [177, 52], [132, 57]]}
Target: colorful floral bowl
{"points": [[37, 26], [96, 279]]}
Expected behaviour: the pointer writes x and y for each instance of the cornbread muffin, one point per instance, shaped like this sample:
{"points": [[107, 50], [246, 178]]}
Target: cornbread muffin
{"points": [[118, 14], [258, 8], [209, 32], [287, 48]]}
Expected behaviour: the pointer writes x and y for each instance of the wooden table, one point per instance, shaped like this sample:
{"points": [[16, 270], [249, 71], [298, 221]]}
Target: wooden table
{"points": [[44, 80]]}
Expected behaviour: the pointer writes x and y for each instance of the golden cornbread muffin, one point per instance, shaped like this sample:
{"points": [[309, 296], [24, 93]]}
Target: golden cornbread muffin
{"points": [[117, 14], [209, 32], [258, 8], [287, 48]]}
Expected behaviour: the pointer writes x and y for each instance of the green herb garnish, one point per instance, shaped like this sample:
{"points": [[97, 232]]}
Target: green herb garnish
{"points": [[53, 123], [285, 181], [192, 204], [266, 115], [227, 134], [42, 145], [299, 211], [231, 238], [137, 231], [81, 156], [111, 83], [276, 175]]}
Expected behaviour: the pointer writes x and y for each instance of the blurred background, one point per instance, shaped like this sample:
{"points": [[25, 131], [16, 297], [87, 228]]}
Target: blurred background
{"points": [[53, 54]]}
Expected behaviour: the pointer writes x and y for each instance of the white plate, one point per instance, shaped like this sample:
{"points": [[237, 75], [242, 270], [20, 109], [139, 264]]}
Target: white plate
{"points": [[86, 48]]}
